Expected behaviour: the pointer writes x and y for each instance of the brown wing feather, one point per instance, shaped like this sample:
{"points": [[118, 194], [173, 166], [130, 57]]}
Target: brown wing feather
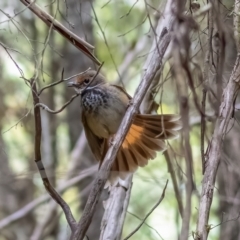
{"points": [[96, 144], [145, 137]]}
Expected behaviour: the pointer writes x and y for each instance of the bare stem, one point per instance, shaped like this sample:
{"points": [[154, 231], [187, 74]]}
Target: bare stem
{"points": [[45, 107], [79, 43], [102, 177], [38, 133], [215, 148], [149, 213]]}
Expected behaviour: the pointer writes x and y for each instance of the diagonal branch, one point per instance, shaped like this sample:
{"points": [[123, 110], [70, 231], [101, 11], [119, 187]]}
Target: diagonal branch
{"points": [[38, 160], [117, 203], [102, 177], [213, 158], [149, 213], [25, 210], [79, 43], [147, 105], [45, 107]]}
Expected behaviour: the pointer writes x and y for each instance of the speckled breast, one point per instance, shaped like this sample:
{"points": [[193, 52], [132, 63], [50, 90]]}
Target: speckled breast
{"points": [[103, 110], [94, 99]]}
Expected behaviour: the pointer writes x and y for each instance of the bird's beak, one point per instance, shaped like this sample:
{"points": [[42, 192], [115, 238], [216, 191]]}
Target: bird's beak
{"points": [[70, 84]]}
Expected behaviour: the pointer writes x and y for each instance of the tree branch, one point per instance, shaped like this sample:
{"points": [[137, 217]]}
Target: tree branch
{"points": [[117, 203], [147, 105], [70, 36], [22, 212], [38, 160], [115, 209], [102, 177], [45, 107], [215, 148], [149, 213]]}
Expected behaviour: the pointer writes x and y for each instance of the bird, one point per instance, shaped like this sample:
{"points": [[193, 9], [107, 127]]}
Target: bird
{"points": [[103, 108]]}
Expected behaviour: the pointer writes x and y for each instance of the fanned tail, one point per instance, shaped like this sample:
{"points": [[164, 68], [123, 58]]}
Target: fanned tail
{"points": [[145, 137]]}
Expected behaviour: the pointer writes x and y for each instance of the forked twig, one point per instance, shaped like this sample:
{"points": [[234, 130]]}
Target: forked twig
{"points": [[57, 82], [149, 213], [79, 43], [45, 107], [38, 134]]}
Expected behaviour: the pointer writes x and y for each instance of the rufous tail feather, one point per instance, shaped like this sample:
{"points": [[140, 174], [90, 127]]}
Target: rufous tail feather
{"points": [[145, 137]]}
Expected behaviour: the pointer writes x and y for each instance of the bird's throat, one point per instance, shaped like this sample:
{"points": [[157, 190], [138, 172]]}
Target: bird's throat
{"points": [[93, 99]]}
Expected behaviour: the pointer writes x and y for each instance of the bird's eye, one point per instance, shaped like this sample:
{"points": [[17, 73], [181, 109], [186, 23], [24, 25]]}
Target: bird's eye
{"points": [[86, 81]]}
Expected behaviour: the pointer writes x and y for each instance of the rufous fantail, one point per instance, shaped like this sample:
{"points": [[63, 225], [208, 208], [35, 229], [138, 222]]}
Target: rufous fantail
{"points": [[103, 108]]}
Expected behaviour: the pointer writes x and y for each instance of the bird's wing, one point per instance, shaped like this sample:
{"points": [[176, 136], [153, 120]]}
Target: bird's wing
{"points": [[96, 144]]}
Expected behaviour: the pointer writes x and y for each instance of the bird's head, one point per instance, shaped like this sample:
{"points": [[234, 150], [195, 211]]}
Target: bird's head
{"points": [[87, 80]]}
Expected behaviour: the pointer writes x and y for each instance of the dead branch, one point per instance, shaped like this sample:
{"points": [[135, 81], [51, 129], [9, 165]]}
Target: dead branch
{"points": [[38, 232], [76, 152], [174, 181], [105, 39], [206, 76], [111, 225], [147, 105], [57, 82], [124, 210], [79, 43], [180, 54], [124, 127], [215, 148], [45, 107], [150, 212], [38, 132], [117, 203], [165, 23]]}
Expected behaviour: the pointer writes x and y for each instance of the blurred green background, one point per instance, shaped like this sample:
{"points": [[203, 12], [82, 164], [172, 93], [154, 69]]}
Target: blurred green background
{"points": [[123, 43]]}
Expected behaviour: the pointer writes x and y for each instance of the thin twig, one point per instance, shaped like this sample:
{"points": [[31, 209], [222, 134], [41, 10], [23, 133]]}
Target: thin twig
{"points": [[134, 215], [174, 181], [60, 81], [98, 70], [129, 11], [205, 80], [105, 40], [79, 43], [203, 127], [38, 132], [149, 213], [52, 84], [45, 107], [132, 29]]}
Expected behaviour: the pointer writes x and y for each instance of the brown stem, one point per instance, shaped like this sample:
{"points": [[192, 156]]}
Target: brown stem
{"points": [[149, 213], [38, 134], [70, 36], [123, 129]]}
